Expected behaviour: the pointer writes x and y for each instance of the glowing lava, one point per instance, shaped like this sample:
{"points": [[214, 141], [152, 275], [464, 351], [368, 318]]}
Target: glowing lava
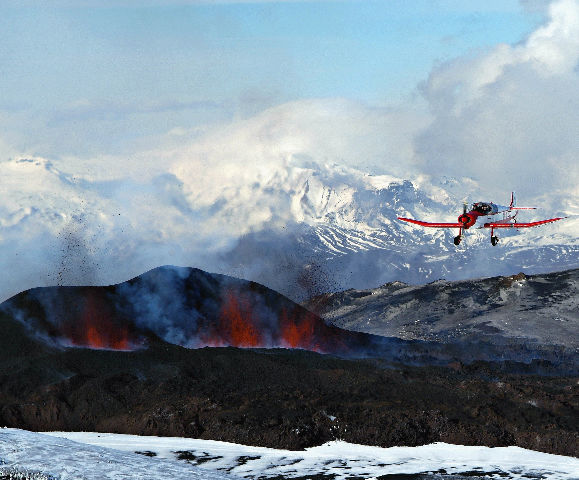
{"points": [[95, 326], [240, 325], [195, 314], [236, 323], [297, 333]]}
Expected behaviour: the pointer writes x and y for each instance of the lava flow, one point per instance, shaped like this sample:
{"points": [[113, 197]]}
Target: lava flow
{"points": [[96, 325], [244, 321]]}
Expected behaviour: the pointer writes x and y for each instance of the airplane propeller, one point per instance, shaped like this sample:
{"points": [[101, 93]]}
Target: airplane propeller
{"points": [[465, 218]]}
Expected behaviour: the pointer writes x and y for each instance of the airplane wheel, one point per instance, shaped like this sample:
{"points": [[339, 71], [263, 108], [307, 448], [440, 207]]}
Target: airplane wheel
{"points": [[457, 240], [494, 240]]}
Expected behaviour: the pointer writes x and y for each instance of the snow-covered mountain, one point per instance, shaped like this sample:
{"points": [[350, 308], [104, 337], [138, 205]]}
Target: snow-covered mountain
{"points": [[284, 197], [297, 225], [343, 232]]}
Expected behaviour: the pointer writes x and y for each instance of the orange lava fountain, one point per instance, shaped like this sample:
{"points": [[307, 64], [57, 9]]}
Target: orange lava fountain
{"points": [[236, 317], [239, 325], [236, 323], [297, 333], [96, 326]]}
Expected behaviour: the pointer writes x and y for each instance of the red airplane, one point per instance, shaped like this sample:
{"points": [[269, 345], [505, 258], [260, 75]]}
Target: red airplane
{"points": [[483, 209]]}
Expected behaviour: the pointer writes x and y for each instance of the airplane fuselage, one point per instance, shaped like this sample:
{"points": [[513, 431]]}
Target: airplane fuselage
{"points": [[481, 209]]}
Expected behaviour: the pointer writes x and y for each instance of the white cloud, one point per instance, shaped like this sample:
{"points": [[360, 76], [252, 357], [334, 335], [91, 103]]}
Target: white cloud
{"points": [[550, 51], [333, 130], [509, 117]]}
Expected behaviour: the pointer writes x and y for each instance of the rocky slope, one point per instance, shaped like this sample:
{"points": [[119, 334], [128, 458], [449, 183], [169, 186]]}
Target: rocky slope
{"points": [[539, 310]]}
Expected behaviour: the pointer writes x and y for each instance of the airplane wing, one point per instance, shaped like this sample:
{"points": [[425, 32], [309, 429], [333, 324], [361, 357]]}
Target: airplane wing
{"points": [[429, 224], [521, 225]]}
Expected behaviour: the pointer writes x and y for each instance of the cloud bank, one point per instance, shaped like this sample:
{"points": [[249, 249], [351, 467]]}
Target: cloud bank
{"points": [[506, 117]]}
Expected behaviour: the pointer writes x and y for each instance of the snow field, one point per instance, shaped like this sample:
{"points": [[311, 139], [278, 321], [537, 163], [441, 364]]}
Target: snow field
{"points": [[344, 460]]}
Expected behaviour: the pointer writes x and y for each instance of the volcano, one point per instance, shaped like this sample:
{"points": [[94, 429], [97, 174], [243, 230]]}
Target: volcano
{"points": [[182, 306], [112, 359], [194, 309]]}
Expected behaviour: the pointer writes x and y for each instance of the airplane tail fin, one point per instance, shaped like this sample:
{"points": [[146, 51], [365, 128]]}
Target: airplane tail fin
{"points": [[514, 202]]}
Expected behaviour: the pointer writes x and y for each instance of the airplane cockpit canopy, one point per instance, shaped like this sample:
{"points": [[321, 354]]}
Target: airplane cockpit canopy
{"points": [[482, 208]]}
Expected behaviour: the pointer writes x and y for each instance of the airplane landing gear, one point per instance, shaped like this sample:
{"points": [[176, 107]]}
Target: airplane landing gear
{"points": [[458, 238], [494, 238]]}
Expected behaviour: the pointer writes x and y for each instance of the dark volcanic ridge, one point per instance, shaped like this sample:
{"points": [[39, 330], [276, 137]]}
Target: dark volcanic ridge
{"points": [[195, 309], [182, 306], [535, 308]]}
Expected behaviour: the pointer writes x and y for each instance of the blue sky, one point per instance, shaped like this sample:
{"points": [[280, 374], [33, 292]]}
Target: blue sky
{"points": [[371, 50], [184, 64]]}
